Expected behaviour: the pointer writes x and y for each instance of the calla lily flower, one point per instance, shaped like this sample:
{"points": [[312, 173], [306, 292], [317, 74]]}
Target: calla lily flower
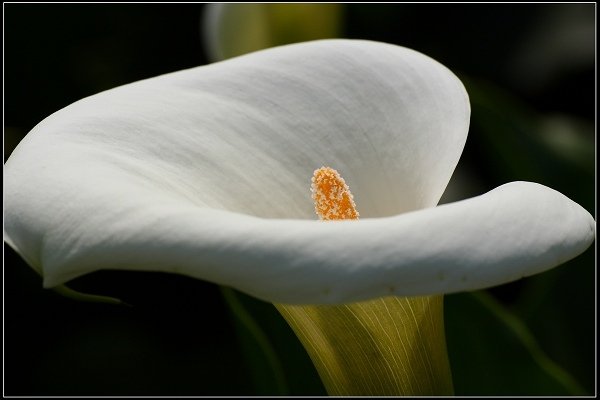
{"points": [[206, 172]]}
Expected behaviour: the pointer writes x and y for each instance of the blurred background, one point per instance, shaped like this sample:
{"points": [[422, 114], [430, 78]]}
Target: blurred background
{"points": [[530, 73]]}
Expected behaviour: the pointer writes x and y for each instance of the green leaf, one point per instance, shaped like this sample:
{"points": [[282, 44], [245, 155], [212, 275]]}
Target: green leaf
{"points": [[265, 365], [493, 353], [388, 346], [559, 309]]}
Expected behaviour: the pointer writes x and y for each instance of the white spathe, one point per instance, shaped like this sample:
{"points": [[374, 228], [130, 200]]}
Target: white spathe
{"points": [[206, 172]]}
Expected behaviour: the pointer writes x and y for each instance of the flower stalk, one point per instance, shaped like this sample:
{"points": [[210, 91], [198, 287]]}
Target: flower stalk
{"points": [[384, 347]]}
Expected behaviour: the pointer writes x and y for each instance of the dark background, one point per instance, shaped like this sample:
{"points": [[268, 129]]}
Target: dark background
{"points": [[525, 67]]}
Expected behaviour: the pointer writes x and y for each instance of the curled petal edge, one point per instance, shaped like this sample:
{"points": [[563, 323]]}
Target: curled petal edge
{"points": [[516, 230]]}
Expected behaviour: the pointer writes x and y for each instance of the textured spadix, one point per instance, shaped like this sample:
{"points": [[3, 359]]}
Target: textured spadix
{"points": [[205, 172]]}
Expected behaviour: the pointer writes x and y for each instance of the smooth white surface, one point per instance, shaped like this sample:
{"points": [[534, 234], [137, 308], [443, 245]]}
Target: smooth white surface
{"points": [[206, 172]]}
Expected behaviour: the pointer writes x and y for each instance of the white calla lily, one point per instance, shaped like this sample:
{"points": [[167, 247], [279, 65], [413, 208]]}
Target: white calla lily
{"points": [[206, 172]]}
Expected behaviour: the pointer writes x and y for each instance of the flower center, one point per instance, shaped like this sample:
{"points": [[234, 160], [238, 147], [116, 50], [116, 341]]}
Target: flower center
{"points": [[332, 196]]}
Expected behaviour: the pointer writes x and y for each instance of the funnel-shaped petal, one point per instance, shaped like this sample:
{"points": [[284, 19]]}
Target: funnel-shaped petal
{"points": [[206, 172]]}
